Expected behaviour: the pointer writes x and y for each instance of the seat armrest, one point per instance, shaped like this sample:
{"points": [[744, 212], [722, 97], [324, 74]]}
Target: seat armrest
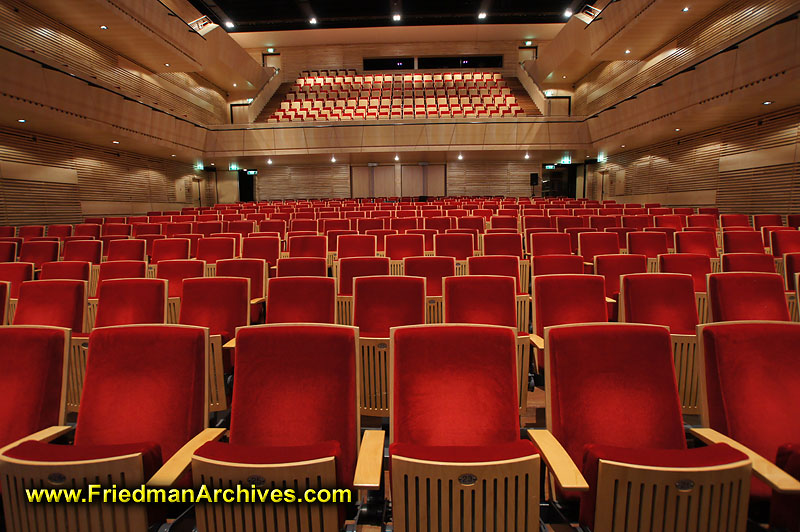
{"points": [[181, 460], [257, 300], [588, 263], [777, 478], [561, 465], [369, 468], [537, 341], [610, 300], [45, 435], [230, 344]]}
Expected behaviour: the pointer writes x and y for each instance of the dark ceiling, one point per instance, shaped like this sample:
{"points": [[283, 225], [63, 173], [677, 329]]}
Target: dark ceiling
{"points": [[250, 15]]}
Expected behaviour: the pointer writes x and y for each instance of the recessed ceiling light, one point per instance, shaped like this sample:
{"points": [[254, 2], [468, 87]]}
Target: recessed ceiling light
{"points": [[269, 161], [527, 156], [568, 13], [313, 20], [234, 84], [677, 129], [270, 50], [166, 64], [103, 27], [396, 17], [768, 102], [627, 51], [528, 43], [396, 157], [173, 155], [564, 77], [114, 142], [333, 158], [21, 120], [228, 24], [622, 146], [482, 15], [685, 9], [460, 157]]}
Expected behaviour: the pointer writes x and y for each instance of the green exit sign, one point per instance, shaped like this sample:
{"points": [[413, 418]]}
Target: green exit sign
{"points": [[549, 167], [233, 166]]}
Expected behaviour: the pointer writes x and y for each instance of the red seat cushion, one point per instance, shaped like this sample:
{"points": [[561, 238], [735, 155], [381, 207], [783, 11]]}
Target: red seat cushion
{"points": [[37, 451], [712, 455], [464, 453]]}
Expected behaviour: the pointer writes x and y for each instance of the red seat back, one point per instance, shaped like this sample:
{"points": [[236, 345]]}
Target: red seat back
{"points": [[174, 271], [301, 300], [659, 299], [352, 267], [75, 270], [747, 296], [383, 302], [131, 301], [433, 269], [748, 262], [59, 303], [483, 299], [128, 249], [220, 303]]}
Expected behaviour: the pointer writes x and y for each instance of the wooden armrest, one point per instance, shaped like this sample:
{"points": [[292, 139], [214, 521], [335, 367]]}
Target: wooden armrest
{"points": [[683, 336], [773, 475], [561, 465], [257, 300], [44, 435], [537, 341], [610, 300], [181, 460], [588, 263], [369, 467], [230, 344]]}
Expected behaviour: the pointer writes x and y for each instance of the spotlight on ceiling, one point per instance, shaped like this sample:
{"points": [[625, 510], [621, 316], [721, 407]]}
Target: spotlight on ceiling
{"points": [[114, 142], [527, 156], [229, 24], [313, 20], [460, 157], [528, 43], [622, 146], [396, 17], [103, 27], [677, 129], [685, 9], [627, 51], [568, 13], [166, 64], [482, 15], [396, 157], [234, 84], [333, 158], [21, 120], [270, 50], [768, 102], [269, 161]]}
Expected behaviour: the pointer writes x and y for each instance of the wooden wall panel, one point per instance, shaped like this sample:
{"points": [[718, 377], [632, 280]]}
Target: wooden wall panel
{"points": [[490, 178], [108, 181], [185, 95], [411, 181], [383, 181], [360, 181], [435, 180], [302, 182], [692, 169], [612, 82]]}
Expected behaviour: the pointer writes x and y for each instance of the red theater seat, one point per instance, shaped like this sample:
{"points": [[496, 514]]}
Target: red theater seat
{"points": [[174, 271], [38, 253], [129, 249], [75, 270], [124, 433], [641, 449], [301, 300], [748, 262], [57, 303], [747, 296], [742, 242], [256, 271], [747, 361], [612, 267], [479, 439]]}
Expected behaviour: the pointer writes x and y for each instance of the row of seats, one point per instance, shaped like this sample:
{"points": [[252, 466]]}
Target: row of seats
{"points": [[396, 97], [455, 452]]}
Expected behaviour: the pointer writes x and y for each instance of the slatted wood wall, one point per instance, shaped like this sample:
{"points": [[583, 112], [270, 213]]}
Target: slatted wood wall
{"points": [[301, 182], [752, 166], [108, 181], [610, 83], [490, 178], [185, 95]]}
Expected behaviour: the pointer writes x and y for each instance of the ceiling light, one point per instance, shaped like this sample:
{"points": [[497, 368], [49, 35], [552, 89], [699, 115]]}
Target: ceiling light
{"points": [[333, 158], [396, 17], [213, 164], [528, 43], [396, 157], [269, 161], [234, 84], [685, 9], [228, 24], [677, 129], [564, 77], [173, 155], [622, 146], [482, 15], [270, 50], [103, 27], [768, 102], [166, 64], [460, 157], [568, 13], [114, 142], [21, 120], [527, 156], [627, 51], [313, 20]]}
